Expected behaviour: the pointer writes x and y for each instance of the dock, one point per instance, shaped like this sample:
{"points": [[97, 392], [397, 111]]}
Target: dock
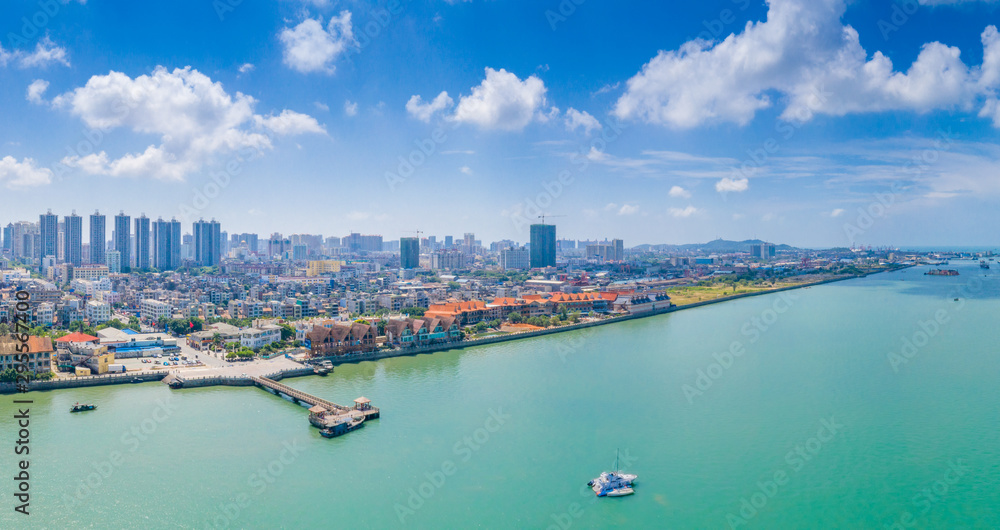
{"points": [[333, 418]]}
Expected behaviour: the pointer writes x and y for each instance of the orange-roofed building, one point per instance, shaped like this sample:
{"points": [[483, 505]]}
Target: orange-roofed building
{"points": [[466, 313], [39, 353], [77, 338]]}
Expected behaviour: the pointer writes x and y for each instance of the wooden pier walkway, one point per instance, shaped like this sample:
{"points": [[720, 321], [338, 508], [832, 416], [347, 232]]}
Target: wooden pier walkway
{"points": [[270, 384]]}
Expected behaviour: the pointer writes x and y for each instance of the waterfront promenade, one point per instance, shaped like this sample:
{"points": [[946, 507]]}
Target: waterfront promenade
{"points": [[240, 373]]}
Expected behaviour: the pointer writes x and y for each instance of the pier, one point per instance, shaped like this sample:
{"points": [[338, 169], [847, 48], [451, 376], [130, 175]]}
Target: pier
{"points": [[297, 395]]}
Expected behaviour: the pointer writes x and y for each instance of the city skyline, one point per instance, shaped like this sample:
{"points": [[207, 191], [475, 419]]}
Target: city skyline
{"points": [[630, 136]]}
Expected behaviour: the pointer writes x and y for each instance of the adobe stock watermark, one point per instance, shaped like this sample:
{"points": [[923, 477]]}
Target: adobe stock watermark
{"points": [[463, 449], [786, 128], [930, 328], [573, 342], [525, 213], [902, 10], [564, 519], [931, 495], [919, 163], [93, 138], [32, 26], [715, 27], [226, 513], [753, 329], [562, 12], [423, 150], [104, 469], [795, 460]]}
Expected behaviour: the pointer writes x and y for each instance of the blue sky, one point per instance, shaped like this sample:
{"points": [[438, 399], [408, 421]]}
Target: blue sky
{"points": [[809, 122]]}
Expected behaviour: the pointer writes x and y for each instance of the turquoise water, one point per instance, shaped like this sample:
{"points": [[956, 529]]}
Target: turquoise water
{"points": [[506, 436]]}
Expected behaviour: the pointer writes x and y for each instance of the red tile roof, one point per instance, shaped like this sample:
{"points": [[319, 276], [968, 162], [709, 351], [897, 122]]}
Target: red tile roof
{"points": [[76, 336]]}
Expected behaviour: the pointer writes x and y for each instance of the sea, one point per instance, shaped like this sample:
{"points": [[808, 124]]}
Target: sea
{"points": [[866, 403]]}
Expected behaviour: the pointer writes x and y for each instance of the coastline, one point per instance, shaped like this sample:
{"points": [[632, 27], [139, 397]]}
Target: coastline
{"points": [[107, 379]]}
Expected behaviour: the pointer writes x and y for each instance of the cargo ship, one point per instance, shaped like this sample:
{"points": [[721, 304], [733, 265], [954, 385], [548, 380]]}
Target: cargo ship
{"points": [[941, 272]]}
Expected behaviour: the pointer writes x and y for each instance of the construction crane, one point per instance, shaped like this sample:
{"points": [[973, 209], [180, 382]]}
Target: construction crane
{"points": [[543, 216]]}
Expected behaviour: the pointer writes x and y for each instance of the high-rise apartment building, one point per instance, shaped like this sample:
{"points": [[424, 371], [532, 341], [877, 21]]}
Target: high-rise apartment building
{"points": [[123, 240], [409, 252], [143, 249], [48, 227], [73, 239], [543, 246], [166, 244], [98, 238], [207, 243]]}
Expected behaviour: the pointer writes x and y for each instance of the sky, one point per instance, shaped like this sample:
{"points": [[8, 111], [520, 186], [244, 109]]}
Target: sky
{"points": [[816, 123]]}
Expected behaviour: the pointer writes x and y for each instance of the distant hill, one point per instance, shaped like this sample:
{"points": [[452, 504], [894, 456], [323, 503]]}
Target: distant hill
{"points": [[720, 246]]}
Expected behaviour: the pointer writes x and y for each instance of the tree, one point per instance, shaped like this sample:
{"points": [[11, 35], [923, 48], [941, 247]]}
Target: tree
{"points": [[515, 318], [413, 311], [287, 332], [454, 285]]}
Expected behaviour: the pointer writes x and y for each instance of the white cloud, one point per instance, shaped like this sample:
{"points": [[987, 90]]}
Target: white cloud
{"points": [[728, 185], [350, 108], [680, 192], [804, 53], [837, 212], [46, 52], [576, 119], [309, 47], [628, 209], [290, 123], [424, 111], [502, 102], [681, 213], [466, 170], [23, 174], [246, 67], [35, 91], [322, 106], [195, 119]]}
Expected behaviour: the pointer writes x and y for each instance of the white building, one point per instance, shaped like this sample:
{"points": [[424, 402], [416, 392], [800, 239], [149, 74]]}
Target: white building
{"points": [[114, 259], [98, 312], [515, 259], [154, 309], [255, 338], [90, 272]]}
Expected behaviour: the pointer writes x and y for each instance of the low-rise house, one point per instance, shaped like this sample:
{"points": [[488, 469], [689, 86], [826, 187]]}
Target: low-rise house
{"points": [[413, 332], [341, 339], [39, 354], [256, 338]]}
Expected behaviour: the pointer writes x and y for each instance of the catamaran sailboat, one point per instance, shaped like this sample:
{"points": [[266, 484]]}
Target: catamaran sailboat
{"points": [[613, 483]]}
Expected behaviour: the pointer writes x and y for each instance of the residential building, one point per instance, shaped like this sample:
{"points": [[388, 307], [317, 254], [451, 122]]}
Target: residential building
{"points": [[317, 268], [515, 259], [114, 261], [152, 310], [48, 226], [97, 312], [123, 241], [409, 252], [143, 249], [166, 244], [73, 239], [256, 338], [207, 243], [39, 354], [762, 251], [98, 238], [90, 272], [543, 246]]}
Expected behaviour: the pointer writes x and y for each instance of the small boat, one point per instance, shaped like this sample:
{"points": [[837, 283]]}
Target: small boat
{"points": [[613, 483], [323, 368], [983, 264], [82, 407], [343, 427], [137, 380]]}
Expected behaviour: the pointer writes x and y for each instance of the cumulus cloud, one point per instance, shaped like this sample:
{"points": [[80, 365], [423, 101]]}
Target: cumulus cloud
{"points": [[35, 91], [350, 108], [309, 47], [576, 119], [679, 192], [195, 119], [422, 111], [803, 53], [683, 212], [837, 212], [728, 185], [503, 102], [23, 174], [246, 67]]}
